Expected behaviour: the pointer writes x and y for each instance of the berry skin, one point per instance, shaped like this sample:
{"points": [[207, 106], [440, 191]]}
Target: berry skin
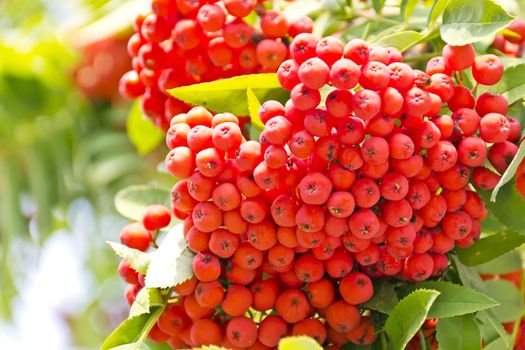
{"points": [[270, 53], [357, 50], [419, 267], [329, 49], [223, 243], [305, 98], [315, 188], [292, 305], [209, 162], [271, 329], [242, 332], [501, 154], [466, 121], [417, 102], [487, 69], [288, 74], [206, 332], [209, 294], [341, 204], [320, 293], [156, 217], [311, 327], [456, 225], [303, 47], [394, 186], [273, 24], [207, 217], [401, 76], [180, 162], [494, 128], [226, 197], [364, 334], [262, 235], [283, 210], [136, 236], [472, 151], [344, 74], [374, 75], [458, 58], [462, 98], [356, 288], [442, 156], [206, 267], [401, 146], [307, 268], [375, 150], [366, 104], [364, 224], [226, 136], [314, 73], [342, 316], [127, 273], [211, 17], [491, 103]]}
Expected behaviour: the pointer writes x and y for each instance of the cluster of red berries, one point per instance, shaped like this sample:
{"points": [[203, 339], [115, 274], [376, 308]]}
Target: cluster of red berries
{"points": [[140, 236], [182, 42], [375, 181], [386, 171], [512, 43], [250, 254]]}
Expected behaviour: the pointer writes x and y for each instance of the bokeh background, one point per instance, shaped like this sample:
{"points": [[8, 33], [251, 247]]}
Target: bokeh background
{"points": [[64, 153]]}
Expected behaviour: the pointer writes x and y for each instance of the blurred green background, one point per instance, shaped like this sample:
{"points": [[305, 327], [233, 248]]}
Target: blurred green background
{"points": [[63, 150]]}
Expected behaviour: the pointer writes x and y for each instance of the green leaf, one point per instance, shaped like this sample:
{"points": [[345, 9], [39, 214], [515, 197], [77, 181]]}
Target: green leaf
{"points": [[132, 346], [506, 263], [143, 134], [378, 5], [132, 330], [229, 95], [511, 85], [137, 259], [172, 263], [253, 106], [408, 316], [131, 201], [509, 297], [467, 21], [400, 40], [492, 327], [385, 298], [146, 298], [491, 247], [454, 300], [437, 10], [458, 333], [468, 275], [298, 343], [407, 7], [509, 209], [498, 344]]}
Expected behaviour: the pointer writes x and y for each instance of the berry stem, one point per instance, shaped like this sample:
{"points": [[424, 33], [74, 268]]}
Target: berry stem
{"points": [[474, 88]]}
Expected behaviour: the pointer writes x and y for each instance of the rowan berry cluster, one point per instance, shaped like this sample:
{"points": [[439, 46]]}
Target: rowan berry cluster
{"points": [[250, 254], [511, 43], [182, 42], [375, 181]]}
